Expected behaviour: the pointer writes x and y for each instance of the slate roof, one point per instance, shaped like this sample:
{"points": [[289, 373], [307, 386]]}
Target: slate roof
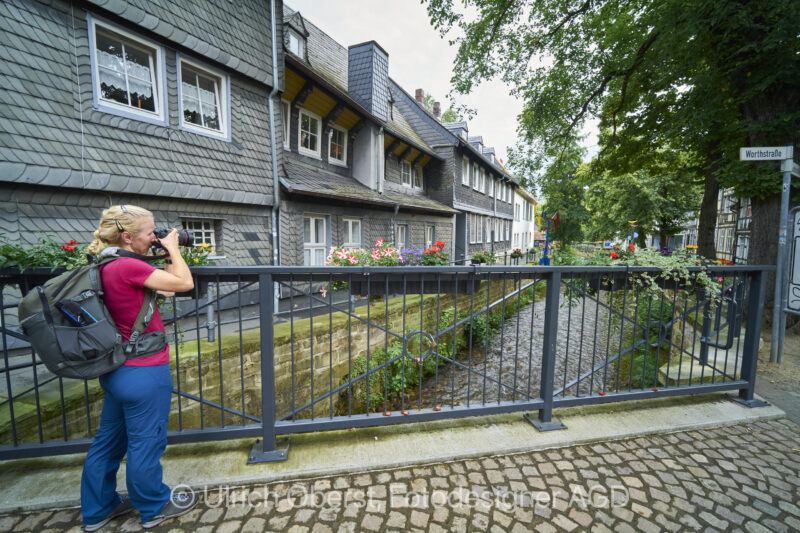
{"points": [[233, 34], [434, 132], [399, 126], [313, 181], [326, 56]]}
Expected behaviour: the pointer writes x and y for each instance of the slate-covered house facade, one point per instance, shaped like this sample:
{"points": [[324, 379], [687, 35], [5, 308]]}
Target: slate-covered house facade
{"points": [[473, 181], [353, 169], [104, 102]]}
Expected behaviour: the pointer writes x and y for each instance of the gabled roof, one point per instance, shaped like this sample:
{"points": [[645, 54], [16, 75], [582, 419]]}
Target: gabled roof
{"points": [[315, 182], [325, 56], [296, 22]]}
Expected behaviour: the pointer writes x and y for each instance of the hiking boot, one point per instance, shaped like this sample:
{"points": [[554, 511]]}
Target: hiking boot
{"points": [[178, 505], [124, 506]]}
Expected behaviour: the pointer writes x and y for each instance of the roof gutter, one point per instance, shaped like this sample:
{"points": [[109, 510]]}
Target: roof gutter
{"points": [[273, 149]]}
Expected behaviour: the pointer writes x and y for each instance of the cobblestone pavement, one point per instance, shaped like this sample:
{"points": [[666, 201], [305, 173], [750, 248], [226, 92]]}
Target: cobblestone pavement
{"points": [[513, 357], [737, 478]]}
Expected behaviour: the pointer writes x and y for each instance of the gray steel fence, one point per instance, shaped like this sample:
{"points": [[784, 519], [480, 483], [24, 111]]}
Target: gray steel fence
{"points": [[330, 347]]}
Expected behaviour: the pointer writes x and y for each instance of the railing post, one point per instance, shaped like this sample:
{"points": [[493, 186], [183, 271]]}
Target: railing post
{"points": [[265, 449], [545, 421], [755, 312]]}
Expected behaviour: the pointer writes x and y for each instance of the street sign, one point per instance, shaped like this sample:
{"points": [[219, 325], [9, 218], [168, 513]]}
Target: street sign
{"points": [[793, 300], [765, 153]]}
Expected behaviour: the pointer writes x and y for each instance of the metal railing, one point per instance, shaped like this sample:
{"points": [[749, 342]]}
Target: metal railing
{"points": [[333, 347]]}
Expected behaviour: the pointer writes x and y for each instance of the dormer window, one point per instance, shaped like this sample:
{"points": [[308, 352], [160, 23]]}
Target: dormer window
{"points": [[297, 44]]}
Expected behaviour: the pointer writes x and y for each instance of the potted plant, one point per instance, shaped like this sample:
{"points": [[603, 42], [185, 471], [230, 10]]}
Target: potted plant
{"points": [[484, 257]]}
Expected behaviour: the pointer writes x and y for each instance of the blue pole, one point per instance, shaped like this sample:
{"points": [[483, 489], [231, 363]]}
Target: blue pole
{"points": [[545, 260]]}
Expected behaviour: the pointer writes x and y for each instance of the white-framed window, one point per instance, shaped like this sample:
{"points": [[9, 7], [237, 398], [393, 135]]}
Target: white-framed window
{"points": [[314, 240], [204, 97], [308, 134], [492, 184], [416, 177], [286, 114], [401, 236], [516, 211], [127, 73], [203, 231], [337, 146], [484, 181], [405, 173], [351, 229], [473, 229], [465, 172], [430, 235], [297, 44], [475, 175]]}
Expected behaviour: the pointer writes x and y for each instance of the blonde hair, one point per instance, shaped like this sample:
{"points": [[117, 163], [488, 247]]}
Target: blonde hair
{"points": [[128, 217]]}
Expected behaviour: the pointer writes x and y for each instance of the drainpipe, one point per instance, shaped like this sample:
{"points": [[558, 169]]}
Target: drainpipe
{"points": [[380, 160], [394, 222], [273, 146]]}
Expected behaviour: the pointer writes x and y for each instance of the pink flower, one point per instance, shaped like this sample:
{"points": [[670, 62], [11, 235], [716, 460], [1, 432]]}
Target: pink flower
{"points": [[376, 255], [352, 260], [388, 252], [378, 242], [329, 258], [341, 254], [323, 292]]}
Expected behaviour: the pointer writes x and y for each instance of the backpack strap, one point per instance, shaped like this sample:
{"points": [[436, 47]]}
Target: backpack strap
{"points": [[148, 308], [146, 313]]}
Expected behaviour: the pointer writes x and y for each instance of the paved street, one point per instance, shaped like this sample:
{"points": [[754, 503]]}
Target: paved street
{"points": [[736, 478]]}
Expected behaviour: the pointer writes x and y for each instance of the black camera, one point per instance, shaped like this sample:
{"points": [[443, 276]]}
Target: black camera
{"points": [[185, 237]]}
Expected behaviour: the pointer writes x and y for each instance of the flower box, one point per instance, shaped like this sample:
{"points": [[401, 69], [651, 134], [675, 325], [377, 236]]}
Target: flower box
{"points": [[446, 284]]}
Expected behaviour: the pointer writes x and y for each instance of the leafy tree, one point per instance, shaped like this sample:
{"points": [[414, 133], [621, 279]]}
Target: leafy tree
{"points": [[703, 77], [562, 187]]}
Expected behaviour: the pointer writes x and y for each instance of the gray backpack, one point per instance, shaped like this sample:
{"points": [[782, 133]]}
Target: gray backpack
{"points": [[71, 329]]}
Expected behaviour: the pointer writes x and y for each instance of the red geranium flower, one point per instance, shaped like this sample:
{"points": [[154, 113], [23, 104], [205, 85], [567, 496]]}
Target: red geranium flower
{"points": [[631, 247], [72, 242], [614, 255], [439, 244]]}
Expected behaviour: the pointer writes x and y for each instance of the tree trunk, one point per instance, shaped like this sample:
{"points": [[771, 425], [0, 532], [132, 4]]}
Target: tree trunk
{"points": [[764, 244], [708, 208]]}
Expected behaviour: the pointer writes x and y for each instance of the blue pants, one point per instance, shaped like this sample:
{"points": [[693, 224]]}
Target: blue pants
{"points": [[133, 421]]}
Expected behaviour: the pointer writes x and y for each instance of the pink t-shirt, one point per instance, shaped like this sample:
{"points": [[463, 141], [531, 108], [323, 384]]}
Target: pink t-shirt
{"points": [[123, 285]]}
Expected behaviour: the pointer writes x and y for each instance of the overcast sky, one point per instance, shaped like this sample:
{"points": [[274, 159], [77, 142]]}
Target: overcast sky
{"points": [[418, 58]]}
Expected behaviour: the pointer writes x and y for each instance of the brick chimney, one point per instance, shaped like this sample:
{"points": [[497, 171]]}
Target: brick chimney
{"points": [[437, 110], [419, 95], [368, 77]]}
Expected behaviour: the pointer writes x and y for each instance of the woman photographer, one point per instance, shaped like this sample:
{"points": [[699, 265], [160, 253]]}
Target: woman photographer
{"points": [[138, 394]]}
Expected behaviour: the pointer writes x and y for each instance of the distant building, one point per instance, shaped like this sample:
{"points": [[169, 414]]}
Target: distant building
{"points": [[524, 227]]}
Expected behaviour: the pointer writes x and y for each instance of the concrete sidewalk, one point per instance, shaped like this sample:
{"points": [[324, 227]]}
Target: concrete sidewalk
{"points": [[52, 483]]}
